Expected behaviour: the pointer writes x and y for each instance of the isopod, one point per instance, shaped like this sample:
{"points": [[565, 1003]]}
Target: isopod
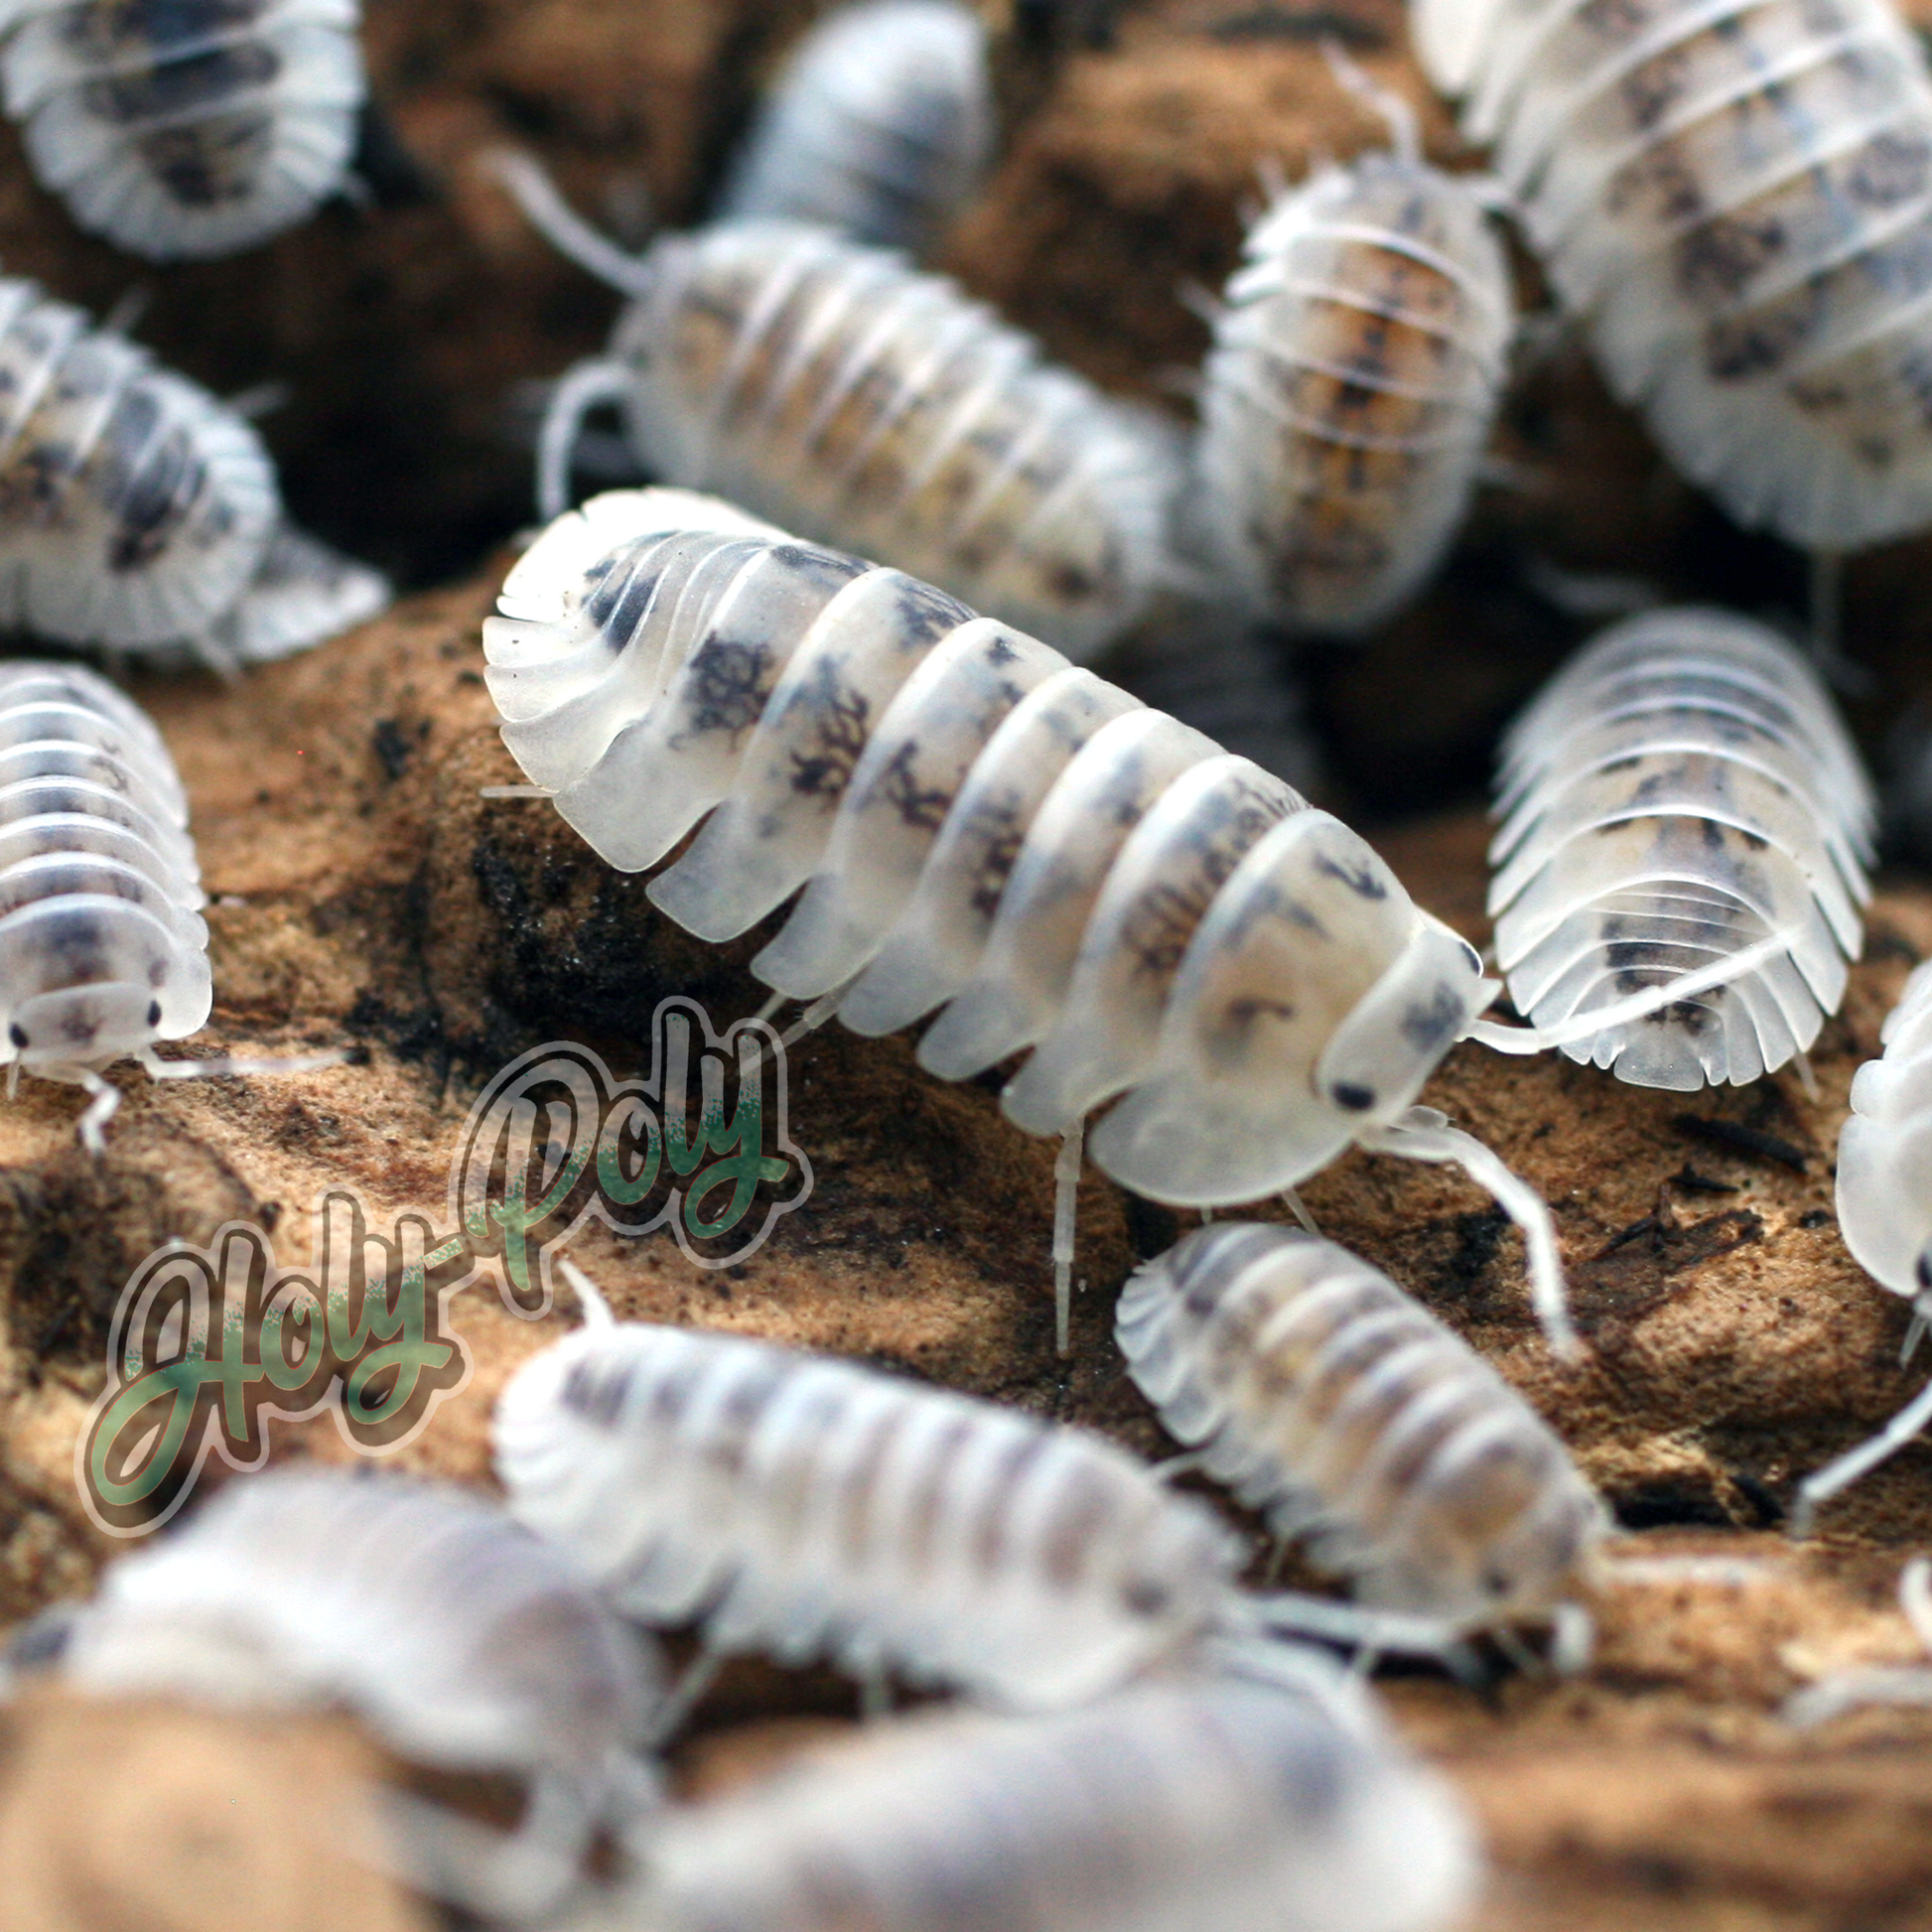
{"points": [[1681, 807], [1885, 1209], [1225, 1803], [862, 403], [980, 826], [102, 946], [1735, 197], [464, 1642], [193, 128], [1348, 399], [880, 125], [137, 513], [812, 1507], [1336, 1404]]}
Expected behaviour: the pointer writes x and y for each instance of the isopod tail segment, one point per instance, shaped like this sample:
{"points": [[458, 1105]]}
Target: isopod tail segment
{"points": [[591, 385], [1851, 1690]]}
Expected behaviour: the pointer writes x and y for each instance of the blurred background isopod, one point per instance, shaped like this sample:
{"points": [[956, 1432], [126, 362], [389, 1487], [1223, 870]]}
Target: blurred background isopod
{"points": [[1737, 198], [186, 129], [1225, 1804], [880, 125], [1684, 819], [1350, 392], [858, 402]]}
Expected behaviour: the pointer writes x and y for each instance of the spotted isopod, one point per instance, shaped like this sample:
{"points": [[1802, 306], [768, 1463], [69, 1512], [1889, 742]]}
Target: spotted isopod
{"points": [[464, 1642], [103, 948], [1223, 1803], [1735, 196], [137, 513], [1683, 815], [880, 125], [180, 128], [1328, 1399], [1885, 1208], [858, 402], [1349, 395], [980, 826]]}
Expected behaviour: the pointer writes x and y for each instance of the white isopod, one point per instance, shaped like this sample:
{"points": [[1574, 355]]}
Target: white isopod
{"points": [[1682, 808], [103, 948], [881, 126], [1350, 392], [812, 1507], [1737, 197], [1885, 1209], [1328, 1399], [981, 826], [464, 1642], [858, 402], [137, 513], [1224, 1804], [181, 128]]}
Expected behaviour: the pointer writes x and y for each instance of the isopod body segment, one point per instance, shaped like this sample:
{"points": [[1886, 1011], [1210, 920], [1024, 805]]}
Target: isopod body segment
{"points": [[178, 130], [1684, 819], [1328, 1399], [880, 125], [978, 826], [1349, 395], [1737, 198]]}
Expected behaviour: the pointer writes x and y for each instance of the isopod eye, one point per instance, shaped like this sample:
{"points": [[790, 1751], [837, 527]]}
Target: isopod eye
{"points": [[1358, 1100], [17, 1033], [153, 1013], [1924, 1268]]}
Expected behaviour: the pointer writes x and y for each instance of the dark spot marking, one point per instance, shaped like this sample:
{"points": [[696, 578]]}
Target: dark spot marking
{"points": [[1739, 1138]]}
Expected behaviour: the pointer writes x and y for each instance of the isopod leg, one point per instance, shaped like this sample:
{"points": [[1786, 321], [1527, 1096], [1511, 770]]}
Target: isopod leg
{"points": [[564, 228], [590, 385], [1066, 1202], [1324, 1618], [683, 1695], [1298, 1209], [1423, 1135], [98, 1112], [1822, 1484]]}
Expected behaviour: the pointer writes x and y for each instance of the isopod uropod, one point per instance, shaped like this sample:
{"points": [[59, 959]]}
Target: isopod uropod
{"points": [[1222, 1803], [1737, 197], [1682, 807], [1334, 1403], [1349, 394], [459, 1638], [137, 513], [980, 826], [880, 125], [858, 402], [1885, 1207], [180, 128]]}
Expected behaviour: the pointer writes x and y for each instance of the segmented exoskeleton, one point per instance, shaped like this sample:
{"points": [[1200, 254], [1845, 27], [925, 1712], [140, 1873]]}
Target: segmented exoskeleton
{"points": [[880, 125], [1683, 808], [460, 1640], [1885, 1207], [1226, 1803], [1326, 1398], [102, 946], [137, 513], [1352, 385], [185, 127], [812, 1507], [980, 826], [1737, 197], [858, 402]]}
